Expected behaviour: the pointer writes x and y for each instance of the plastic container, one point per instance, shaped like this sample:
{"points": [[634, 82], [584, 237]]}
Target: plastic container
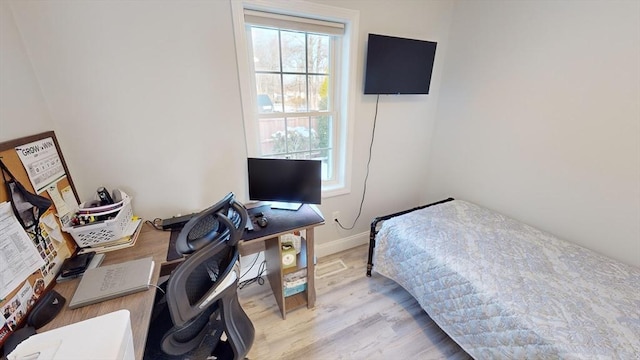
{"points": [[103, 231]]}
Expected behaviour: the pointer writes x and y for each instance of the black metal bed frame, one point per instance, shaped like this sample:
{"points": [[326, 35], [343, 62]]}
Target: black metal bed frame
{"points": [[374, 231]]}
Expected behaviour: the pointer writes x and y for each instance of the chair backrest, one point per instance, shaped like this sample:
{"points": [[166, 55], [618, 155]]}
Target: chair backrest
{"points": [[206, 227]]}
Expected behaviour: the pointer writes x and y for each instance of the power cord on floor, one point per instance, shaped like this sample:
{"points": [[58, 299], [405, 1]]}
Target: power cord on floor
{"points": [[255, 260], [364, 191], [259, 279]]}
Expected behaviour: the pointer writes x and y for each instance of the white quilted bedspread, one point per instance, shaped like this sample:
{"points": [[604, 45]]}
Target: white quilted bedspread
{"points": [[505, 290]]}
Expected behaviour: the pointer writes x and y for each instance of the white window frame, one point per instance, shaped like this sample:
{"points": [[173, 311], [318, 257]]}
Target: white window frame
{"points": [[346, 79]]}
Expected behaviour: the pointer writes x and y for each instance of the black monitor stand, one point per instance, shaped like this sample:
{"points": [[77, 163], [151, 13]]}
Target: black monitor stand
{"points": [[285, 205]]}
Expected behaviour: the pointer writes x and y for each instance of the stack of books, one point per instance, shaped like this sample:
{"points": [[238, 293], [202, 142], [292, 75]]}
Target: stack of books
{"points": [[295, 282], [128, 240]]}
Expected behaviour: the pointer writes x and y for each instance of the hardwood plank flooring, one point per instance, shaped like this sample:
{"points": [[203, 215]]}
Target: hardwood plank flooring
{"points": [[355, 317]]}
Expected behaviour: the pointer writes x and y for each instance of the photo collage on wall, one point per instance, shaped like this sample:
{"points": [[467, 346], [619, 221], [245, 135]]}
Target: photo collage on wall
{"points": [[15, 309], [48, 250]]}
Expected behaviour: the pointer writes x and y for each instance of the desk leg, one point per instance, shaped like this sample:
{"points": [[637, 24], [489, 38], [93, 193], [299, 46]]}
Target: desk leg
{"points": [[273, 256], [311, 269]]}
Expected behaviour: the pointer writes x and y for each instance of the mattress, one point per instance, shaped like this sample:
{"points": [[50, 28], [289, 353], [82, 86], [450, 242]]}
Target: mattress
{"points": [[503, 289]]}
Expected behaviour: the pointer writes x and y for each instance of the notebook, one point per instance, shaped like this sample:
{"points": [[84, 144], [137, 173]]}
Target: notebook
{"points": [[111, 281]]}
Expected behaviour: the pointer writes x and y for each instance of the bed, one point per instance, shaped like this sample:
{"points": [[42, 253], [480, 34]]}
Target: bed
{"points": [[503, 289]]}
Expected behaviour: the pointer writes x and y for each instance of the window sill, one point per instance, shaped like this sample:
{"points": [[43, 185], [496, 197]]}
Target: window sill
{"points": [[334, 190]]}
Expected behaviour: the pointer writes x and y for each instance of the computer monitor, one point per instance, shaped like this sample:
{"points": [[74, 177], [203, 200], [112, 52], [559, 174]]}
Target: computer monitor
{"points": [[286, 183]]}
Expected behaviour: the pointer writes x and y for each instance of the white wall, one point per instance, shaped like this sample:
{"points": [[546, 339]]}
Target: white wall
{"points": [[537, 108], [144, 96], [404, 123], [539, 117], [22, 108]]}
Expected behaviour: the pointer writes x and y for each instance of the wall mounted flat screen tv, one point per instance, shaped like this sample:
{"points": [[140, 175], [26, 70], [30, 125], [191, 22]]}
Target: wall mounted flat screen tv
{"points": [[398, 65], [286, 183]]}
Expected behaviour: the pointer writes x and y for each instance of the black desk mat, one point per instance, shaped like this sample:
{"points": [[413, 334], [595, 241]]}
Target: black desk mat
{"points": [[172, 254], [281, 221]]}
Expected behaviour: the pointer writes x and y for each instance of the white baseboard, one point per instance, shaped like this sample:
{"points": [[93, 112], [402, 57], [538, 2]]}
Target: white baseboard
{"points": [[343, 244]]}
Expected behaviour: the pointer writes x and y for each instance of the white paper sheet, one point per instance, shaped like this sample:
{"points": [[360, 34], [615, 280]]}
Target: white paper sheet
{"points": [[61, 206], [42, 162], [19, 257], [69, 198], [51, 225]]}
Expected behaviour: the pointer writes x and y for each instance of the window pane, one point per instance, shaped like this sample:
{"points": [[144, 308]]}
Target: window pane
{"points": [[295, 93], [293, 74], [318, 93], [266, 54], [327, 163], [318, 51], [299, 136], [321, 126], [300, 156], [272, 135], [293, 52], [269, 93]]}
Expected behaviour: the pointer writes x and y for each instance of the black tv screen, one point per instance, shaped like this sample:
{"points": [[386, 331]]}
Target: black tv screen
{"points": [[285, 181], [398, 65]]}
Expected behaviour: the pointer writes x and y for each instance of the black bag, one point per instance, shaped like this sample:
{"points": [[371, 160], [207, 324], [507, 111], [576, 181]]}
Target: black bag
{"points": [[76, 264], [27, 206], [47, 307]]}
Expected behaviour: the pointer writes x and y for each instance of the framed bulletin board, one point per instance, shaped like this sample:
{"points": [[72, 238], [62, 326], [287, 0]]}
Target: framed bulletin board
{"points": [[31, 253]]}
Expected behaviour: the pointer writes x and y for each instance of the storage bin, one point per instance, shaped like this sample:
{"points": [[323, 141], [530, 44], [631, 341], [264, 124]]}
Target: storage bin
{"points": [[104, 231]]}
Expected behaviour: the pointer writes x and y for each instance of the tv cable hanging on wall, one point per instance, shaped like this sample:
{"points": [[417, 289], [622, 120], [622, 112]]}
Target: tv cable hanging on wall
{"points": [[366, 177]]}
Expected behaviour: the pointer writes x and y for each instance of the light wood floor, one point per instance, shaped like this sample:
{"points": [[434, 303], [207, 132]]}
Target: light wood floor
{"points": [[355, 317]]}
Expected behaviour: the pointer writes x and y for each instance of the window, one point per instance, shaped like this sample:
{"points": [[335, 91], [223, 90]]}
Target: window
{"points": [[295, 73]]}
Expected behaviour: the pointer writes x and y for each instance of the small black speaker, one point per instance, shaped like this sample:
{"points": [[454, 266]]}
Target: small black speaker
{"points": [[46, 309]]}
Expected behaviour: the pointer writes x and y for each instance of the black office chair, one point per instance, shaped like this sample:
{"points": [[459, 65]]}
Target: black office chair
{"points": [[201, 301]]}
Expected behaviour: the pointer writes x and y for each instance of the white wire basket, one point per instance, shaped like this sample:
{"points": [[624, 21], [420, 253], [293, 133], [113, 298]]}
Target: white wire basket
{"points": [[104, 231]]}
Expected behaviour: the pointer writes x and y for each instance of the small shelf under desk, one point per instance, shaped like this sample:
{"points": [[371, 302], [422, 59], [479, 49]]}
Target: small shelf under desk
{"points": [[276, 273], [268, 239]]}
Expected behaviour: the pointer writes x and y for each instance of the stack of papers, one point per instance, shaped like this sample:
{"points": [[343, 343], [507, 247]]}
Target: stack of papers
{"points": [[128, 240]]}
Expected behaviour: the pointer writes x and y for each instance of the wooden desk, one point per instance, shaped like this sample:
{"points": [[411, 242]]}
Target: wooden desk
{"points": [[151, 242], [268, 240]]}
